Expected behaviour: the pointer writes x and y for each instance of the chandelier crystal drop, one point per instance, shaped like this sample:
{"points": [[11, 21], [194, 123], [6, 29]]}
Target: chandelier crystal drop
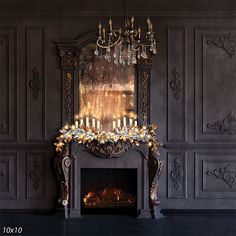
{"points": [[125, 45]]}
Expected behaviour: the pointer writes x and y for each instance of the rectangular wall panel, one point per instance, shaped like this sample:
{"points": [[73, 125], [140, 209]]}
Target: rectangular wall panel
{"points": [[35, 175], [215, 174], [177, 174], [35, 70], [8, 76], [215, 84], [176, 84], [8, 175]]}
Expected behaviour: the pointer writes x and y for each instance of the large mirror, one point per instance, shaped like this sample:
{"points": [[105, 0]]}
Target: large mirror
{"points": [[106, 92]]}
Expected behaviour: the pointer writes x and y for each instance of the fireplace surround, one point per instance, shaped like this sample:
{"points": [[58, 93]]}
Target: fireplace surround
{"points": [[75, 158]]}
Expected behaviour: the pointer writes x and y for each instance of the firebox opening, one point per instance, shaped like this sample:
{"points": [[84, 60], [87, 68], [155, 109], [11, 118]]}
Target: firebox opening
{"points": [[109, 191]]}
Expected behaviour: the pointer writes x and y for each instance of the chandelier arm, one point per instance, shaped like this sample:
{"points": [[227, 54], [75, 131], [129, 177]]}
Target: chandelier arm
{"points": [[110, 46]]}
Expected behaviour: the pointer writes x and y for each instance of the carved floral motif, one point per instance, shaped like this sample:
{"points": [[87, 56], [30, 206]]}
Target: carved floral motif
{"points": [[35, 174], [227, 125], [227, 174], [176, 84], [144, 95], [35, 83], [68, 60], [68, 98], [177, 174], [226, 42]]}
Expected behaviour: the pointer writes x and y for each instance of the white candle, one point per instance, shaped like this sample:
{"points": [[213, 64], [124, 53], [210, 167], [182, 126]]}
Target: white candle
{"points": [[93, 123], [76, 124], [98, 124], [81, 121], [135, 123], [114, 124], [124, 121], [118, 123], [87, 121], [130, 121]]}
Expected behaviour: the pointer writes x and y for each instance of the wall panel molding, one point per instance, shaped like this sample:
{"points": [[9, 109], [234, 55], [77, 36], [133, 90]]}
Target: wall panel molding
{"points": [[8, 84], [35, 71], [35, 180], [207, 184], [177, 174], [177, 72], [214, 86], [8, 175]]}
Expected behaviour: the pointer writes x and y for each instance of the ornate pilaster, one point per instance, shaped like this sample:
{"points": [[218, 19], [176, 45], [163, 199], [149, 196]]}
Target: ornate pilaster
{"points": [[144, 67]]}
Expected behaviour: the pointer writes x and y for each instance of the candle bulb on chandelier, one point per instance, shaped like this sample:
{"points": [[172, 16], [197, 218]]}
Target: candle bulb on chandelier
{"points": [[130, 121], [110, 24], [104, 33], [118, 123], [100, 29], [135, 123], [132, 22], [139, 32]]}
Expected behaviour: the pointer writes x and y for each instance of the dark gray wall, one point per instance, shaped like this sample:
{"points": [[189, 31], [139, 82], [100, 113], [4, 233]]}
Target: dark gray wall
{"points": [[192, 92]]}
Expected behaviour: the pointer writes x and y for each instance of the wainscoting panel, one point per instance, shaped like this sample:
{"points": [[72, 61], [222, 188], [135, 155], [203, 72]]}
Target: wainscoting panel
{"points": [[8, 175], [177, 175], [8, 73], [35, 175], [215, 174]]}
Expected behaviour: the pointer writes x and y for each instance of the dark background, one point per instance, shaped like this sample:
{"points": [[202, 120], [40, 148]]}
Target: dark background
{"points": [[196, 49]]}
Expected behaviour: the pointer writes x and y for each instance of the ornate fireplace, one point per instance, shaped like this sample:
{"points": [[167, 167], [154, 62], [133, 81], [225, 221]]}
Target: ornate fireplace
{"points": [[99, 177]]}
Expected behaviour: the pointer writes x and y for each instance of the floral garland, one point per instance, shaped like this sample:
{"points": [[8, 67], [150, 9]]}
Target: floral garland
{"points": [[133, 135]]}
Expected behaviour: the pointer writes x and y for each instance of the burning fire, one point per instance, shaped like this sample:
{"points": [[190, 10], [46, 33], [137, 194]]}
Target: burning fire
{"points": [[108, 196]]}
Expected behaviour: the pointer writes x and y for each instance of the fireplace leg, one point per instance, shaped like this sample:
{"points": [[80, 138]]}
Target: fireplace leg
{"points": [[62, 166]]}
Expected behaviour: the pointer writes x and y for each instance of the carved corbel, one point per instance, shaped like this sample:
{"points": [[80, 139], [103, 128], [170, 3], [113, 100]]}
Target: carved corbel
{"points": [[62, 167], [155, 164]]}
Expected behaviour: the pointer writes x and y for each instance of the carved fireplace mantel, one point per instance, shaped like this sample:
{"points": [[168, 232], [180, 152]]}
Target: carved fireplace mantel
{"points": [[75, 156]]}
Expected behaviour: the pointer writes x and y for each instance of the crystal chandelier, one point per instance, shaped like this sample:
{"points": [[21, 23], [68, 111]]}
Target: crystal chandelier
{"points": [[125, 45]]}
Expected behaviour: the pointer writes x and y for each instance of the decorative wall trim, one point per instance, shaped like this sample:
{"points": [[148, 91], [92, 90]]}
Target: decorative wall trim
{"points": [[226, 42], [226, 173], [176, 84], [177, 174], [68, 60], [226, 126], [35, 83], [9, 72]]}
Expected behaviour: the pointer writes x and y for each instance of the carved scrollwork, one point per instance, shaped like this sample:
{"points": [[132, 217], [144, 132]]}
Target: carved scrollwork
{"points": [[155, 164], [144, 95], [145, 62], [227, 174], [176, 174], [35, 174], [176, 84], [226, 42], [227, 125], [68, 60], [109, 149], [68, 98], [2, 126], [62, 167], [35, 83]]}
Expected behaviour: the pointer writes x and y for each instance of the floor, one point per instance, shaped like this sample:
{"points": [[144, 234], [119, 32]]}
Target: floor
{"points": [[175, 224]]}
